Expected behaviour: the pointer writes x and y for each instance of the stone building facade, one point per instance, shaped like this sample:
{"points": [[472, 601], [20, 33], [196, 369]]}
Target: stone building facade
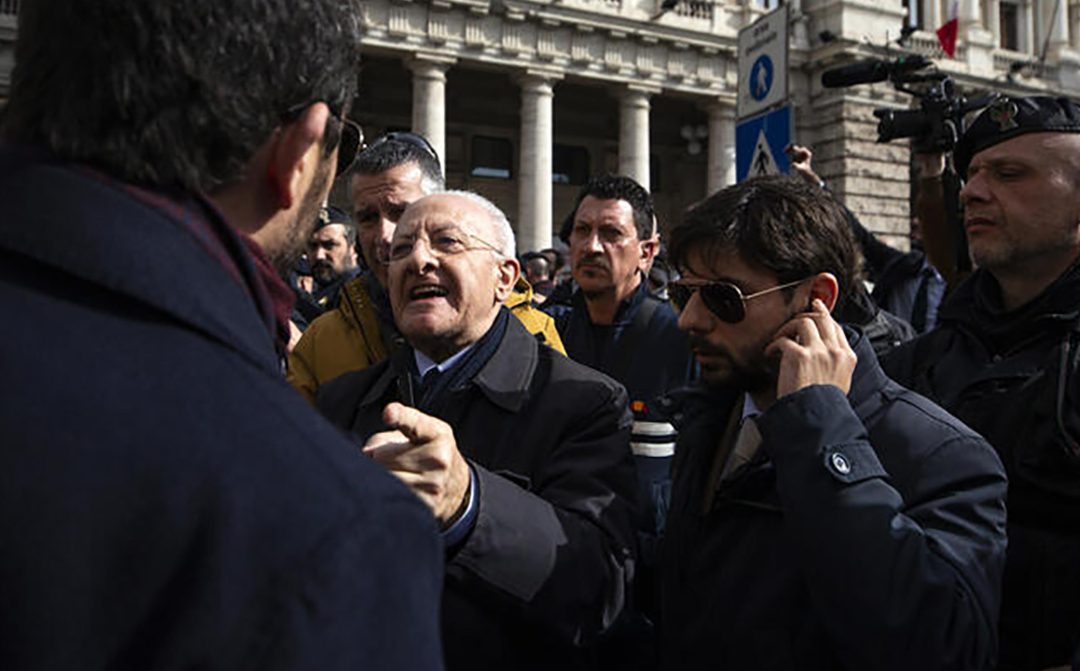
{"points": [[526, 98]]}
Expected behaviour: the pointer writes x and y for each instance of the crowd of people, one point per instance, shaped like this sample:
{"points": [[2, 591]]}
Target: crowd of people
{"points": [[379, 437]]}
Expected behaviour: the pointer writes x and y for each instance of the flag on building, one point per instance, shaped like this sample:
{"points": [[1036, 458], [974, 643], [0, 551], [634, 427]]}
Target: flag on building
{"points": [[946, 34]]}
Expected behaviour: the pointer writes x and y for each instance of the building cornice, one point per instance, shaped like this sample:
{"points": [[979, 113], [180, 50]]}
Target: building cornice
{"points": [[561, 40]]}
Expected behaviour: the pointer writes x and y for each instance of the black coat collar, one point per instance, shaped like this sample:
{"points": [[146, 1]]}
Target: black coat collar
{"points": [[89, 227], [976, 304], [505, 379]]}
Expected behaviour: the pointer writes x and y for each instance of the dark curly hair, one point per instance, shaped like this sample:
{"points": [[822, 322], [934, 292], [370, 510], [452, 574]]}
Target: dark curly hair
{"points": [[780, 224], [176, 93]]}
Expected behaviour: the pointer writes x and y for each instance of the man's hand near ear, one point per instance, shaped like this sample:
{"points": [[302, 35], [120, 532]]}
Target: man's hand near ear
{"points": [[813, 349]]}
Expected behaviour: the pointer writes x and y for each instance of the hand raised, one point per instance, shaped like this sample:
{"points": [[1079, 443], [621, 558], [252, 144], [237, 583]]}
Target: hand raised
{"points": [[421, 451], [813, 350]]}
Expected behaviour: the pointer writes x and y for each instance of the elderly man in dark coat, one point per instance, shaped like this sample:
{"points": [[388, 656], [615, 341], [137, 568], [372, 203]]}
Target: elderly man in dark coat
{"points": [[167, 501], [822, 517], [522, 454]]}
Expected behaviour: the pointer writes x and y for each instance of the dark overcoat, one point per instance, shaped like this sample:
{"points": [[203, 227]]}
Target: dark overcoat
{"points": [[867, 533], [167, 501], [544, 572]]}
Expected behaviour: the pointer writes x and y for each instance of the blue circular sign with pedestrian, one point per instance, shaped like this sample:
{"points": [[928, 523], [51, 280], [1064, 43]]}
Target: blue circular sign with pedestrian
{"points": [[761, 77]]}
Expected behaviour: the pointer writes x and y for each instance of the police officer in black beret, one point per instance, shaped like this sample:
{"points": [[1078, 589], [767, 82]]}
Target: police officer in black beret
{"points": [[1005, 357]]}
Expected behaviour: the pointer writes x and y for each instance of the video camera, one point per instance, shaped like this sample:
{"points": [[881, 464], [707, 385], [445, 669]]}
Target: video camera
{"points": [[937, 124]]}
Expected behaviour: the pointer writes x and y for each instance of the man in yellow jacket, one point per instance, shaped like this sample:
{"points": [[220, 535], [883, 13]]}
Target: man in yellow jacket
{"points": [[391, 173]]}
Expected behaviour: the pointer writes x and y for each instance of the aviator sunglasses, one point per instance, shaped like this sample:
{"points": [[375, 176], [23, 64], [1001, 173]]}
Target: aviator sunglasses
{"points": [[724, 299]]}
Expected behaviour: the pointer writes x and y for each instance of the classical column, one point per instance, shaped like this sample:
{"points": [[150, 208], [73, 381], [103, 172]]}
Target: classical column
{"points": [[534, 228], [931, 14], [1074, 31], [721, 146], [993, 19], [634, 133], [429, 100], [1028, 19], [1059, 26], [969, 15]]}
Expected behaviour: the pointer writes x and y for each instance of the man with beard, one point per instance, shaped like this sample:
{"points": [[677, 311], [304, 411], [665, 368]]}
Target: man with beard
{"points": [[521, 453], [166, 500], [395, 170], [822, 517], [331, 252], [331, 260], [1005, 357]]}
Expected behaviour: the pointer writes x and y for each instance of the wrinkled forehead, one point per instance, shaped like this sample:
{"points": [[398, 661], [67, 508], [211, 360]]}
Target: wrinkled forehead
{"points": [[403, 183], [440, 212]]}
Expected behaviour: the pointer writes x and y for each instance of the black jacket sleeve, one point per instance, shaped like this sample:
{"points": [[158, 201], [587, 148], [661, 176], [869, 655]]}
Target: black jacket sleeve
{"points": [[557, 546], [904, 567]]}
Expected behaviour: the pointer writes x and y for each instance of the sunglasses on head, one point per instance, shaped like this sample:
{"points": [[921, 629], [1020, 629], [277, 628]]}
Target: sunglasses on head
{"points": [[724, 299], [414, 140]]}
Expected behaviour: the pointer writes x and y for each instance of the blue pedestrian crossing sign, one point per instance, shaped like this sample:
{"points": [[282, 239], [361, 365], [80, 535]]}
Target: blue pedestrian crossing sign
{"points": [[760, 142], [761, 78]]}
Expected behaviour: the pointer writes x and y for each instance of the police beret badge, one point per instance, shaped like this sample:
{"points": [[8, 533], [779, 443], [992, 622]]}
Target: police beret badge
{"points": [[1010, 117]]}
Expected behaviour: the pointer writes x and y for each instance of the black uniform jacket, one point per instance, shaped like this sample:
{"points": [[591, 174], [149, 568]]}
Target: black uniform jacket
{"points": [[867, 533], [1015, 378], [546, 566]]}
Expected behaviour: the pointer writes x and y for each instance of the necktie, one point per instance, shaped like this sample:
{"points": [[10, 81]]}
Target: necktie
{"points": [[430, 378], [747, 444]]}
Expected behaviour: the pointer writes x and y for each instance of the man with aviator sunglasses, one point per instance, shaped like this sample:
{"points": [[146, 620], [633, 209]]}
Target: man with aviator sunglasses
{"points": [[822, 516]]}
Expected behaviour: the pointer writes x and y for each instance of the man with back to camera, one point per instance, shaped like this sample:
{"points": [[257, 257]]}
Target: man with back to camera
{"points": [[1005, 357], [395, 170], [822, 517], [521, 453], [165, 498]]}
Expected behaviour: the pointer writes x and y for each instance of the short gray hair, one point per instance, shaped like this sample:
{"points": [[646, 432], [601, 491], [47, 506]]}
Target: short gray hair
{"points": [[504, 234]]}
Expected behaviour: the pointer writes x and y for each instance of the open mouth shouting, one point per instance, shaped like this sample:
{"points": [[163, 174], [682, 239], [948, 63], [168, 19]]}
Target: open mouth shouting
{"points": [[427, 292]]}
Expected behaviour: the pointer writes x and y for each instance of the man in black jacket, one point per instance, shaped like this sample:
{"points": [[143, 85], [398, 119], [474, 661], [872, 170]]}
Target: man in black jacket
{"points": [[1005, 357], [522, 454], [822, 517], [166, 500]]}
